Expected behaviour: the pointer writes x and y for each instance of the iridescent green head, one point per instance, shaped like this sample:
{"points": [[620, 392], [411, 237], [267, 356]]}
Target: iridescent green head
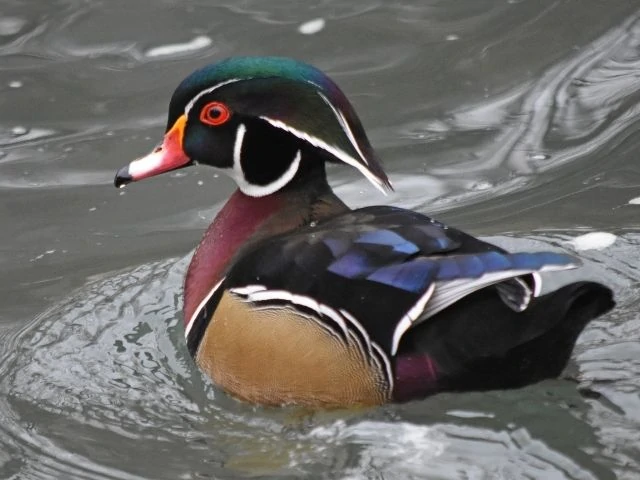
{"points": [[263, 120]]}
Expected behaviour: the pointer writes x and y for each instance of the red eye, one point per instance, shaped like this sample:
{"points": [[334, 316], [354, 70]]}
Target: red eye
{"points": [[215, 113]]}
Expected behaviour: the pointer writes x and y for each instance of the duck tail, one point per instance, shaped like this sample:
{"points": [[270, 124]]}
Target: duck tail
{"points": [[481, 344]]}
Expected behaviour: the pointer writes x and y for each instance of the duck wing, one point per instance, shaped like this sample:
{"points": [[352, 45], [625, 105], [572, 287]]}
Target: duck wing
{"points": [[380, 271]]}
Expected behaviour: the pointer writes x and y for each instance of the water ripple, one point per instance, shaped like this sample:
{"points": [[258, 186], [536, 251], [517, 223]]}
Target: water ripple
{"points": [[402, 450], [101, 386], [574, 109], [282, 11], [124, 380]]}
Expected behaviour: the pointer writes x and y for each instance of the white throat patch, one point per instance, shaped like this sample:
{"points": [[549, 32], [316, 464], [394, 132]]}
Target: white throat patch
{"points": [[258, 190]]}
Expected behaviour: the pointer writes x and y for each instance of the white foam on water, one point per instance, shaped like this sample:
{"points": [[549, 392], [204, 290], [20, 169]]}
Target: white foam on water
{"points": [[469, 414], [197, 43], [312, 26], [19, 130], [593, 241]]}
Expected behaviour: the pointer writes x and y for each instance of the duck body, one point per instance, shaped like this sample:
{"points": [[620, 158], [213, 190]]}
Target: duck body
{"points": [[294, 298]]}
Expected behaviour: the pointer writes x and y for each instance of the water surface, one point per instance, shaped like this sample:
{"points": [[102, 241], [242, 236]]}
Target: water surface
{"points": [[512, 119]]}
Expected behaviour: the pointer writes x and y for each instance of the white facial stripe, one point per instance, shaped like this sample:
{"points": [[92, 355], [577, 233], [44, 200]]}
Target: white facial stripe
{"points": [[345, 127], [205, 92], [336, 152], [256, 191], [200, 306], [259, 190]]}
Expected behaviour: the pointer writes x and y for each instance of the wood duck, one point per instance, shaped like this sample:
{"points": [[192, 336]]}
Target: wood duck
{"points": [[291, 297]]}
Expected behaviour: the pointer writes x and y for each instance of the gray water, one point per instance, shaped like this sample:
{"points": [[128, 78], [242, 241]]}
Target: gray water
{"points": [[513, 119]]}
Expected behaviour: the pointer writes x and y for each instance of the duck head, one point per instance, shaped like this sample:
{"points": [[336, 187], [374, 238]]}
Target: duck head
{"points": [[266, 121]]}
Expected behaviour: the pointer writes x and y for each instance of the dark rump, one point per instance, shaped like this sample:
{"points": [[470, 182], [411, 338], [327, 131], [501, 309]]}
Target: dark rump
{"points": [[481, 344]]}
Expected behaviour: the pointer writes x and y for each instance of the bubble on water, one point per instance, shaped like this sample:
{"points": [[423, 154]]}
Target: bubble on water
{"points": [[15, 84], [200, 183], [452, 37], [312, 26]]}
